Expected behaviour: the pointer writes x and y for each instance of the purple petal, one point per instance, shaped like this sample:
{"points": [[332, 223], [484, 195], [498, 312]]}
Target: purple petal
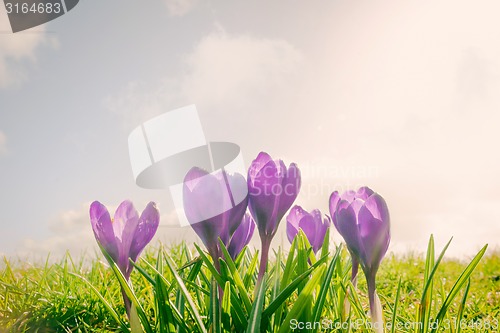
{"points": [[349, 195], [291, 232], [146, 229], [125, 224], [125, 221], [241, 236], [364, 193], [295, 215], [348, 227], [260, 161], [193, 176], [378, 207], [290, 189], [264, 191], [237, 188], [310, 228], [103, 228], [321, 232], [334, 201], [203, 196], [374, 235]]}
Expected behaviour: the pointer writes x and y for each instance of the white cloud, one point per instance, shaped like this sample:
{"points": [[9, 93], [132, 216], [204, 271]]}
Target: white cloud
{"points": [[16, 48], [180, 7], [3, 143], [394, 98], [224, 69], [70, 231], [223, 72]]}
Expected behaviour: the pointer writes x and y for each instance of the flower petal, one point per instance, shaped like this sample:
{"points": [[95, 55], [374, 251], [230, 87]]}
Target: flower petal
{"points": [[310, 227], [348, 227], [125, 221], [103, 229], [321, 232], [334, 201], [260, 161], [241, 236], [290, 189], [378, 207], [125, 224], [293, 220], [374, 236], [364, 193], [264, 190], [203, 196], [146, 229]]}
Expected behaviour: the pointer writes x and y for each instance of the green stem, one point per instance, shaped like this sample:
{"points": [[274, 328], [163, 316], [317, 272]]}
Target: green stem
{"points": [[264, 257], [376, 315]]}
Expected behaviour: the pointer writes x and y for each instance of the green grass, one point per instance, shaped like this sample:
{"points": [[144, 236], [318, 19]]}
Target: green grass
{"points": [[178, 290]]}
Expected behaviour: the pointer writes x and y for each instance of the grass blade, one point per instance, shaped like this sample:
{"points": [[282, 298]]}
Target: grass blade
{"points": [[256, 313], [185, 292]]}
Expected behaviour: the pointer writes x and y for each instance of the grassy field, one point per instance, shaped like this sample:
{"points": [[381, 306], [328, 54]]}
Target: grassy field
{"points": [[70, 296]]}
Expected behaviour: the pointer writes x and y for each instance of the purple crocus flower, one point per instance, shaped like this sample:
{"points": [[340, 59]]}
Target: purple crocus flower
{"points": [[126, 235], [272, 188], [241, 236], [362, 218], [313, 225], [214, 206]]}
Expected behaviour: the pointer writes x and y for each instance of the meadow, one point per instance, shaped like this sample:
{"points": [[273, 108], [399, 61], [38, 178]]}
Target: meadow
{"points": [[178, 289]]}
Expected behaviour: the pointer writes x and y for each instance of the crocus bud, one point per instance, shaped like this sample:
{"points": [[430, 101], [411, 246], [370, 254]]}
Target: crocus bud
{"points": [[210, 206], [362, 218], [272, 188], [313, 225], [241, 236], [127, 234]]}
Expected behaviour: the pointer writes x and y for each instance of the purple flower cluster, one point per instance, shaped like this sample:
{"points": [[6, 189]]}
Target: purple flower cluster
{"points": [[216, 206], [361, 217]]}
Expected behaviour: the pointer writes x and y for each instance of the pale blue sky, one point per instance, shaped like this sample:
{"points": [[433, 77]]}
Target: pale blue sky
{"points": [[403, 97]]}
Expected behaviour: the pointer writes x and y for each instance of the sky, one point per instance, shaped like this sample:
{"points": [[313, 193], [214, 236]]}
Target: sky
{"points": [[402, 96]]}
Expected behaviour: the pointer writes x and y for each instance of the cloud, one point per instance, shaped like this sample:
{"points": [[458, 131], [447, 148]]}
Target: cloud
{"points": [[17, 48], [418, 115], [69, 231], [225, 69], [180, 7], [222, 72], [3, 143]]}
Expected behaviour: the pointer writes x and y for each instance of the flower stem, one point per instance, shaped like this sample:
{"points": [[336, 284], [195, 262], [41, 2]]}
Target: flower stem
{"points": [[264, 257], [376, 315], [354, 281], [127, 303]]}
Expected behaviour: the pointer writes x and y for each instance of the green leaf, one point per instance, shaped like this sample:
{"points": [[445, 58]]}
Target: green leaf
{"points": [[215, 309], [108, 306], [304, 298], [128, 291], [320, 301], [395, 309], [256, 313], [283, 296], [461, 309], [236, 276], [226, 307], [135, 323], [185, 292], [462, 279]]}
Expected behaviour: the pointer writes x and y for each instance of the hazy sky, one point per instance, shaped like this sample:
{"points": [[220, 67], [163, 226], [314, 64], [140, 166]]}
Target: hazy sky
{"points": [[402, 96]]}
